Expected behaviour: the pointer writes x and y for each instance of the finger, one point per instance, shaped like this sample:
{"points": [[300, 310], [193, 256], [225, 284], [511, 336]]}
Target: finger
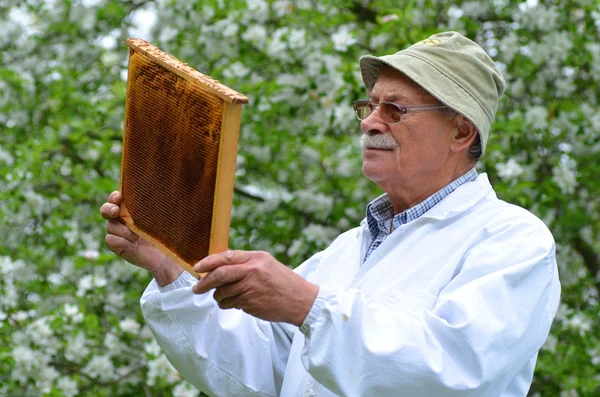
{"points": [[109, 211], [228, 303], [229, 291], [118, 244], [219, 277], [115, 198], [118, 229], [228, 257]]}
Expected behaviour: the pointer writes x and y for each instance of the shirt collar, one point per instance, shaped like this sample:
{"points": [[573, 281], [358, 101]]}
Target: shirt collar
{"points": [[381, 210]]}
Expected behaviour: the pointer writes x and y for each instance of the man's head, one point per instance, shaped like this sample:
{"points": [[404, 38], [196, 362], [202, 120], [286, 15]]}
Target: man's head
{"points": [[428, 138], [447, 70], [453, 69]]}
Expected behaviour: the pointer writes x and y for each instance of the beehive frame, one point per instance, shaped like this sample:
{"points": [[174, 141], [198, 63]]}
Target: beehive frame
{"points": [[217, 137]]}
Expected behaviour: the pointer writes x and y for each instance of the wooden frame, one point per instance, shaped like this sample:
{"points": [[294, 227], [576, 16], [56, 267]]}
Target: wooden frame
{"points": [[227, 151]]}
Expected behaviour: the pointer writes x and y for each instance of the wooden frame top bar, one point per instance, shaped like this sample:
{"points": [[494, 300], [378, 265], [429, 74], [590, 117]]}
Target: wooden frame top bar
{"points": [[185, 71]]}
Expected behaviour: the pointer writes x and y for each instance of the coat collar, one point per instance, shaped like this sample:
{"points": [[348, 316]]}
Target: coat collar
{"points": [[460, 200], [463, 198]]}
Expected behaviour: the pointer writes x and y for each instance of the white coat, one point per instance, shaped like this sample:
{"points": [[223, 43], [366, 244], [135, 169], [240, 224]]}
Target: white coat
{"points": [[455, 303]]}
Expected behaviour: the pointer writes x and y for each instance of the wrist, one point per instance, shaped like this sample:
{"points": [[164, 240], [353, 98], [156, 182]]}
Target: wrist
{"points": [[308, 300], [167, 272]]}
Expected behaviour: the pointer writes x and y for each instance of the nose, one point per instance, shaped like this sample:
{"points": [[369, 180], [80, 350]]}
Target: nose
{"points": [[373, 124]]}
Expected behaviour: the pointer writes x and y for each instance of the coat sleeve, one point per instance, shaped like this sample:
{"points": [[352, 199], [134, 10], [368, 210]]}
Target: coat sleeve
{"points": [[484, 327], [221, 352]]}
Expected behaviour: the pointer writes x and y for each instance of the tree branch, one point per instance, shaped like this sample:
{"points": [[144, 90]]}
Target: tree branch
{"points": [[590, 259]]}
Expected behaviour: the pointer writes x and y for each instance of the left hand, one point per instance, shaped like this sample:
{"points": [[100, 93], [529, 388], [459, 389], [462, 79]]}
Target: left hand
{"points": [[258, 284]]}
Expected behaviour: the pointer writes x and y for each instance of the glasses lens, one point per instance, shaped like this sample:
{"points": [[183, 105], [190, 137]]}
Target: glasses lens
{"points": [[363, 109], [390, 113]]}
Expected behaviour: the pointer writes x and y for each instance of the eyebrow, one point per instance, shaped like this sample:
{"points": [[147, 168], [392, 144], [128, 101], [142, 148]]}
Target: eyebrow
{"points": [[392, 98]]}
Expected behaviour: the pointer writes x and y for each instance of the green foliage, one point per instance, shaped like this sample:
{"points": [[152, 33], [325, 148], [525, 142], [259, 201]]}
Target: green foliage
{"points": [[69, 317]]}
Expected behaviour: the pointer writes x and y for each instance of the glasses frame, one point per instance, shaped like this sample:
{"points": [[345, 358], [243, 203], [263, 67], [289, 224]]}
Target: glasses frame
{"points": [[404, 110]]}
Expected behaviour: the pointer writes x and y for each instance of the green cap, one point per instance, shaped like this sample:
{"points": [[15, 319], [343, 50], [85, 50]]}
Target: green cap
{"points": [[452, 68]]}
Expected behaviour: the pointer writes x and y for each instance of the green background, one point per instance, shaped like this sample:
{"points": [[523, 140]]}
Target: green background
{"points": [[70, 322]]}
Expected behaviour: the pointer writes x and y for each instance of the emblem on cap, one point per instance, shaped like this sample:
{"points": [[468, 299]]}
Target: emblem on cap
{"points": [[429, 42]]}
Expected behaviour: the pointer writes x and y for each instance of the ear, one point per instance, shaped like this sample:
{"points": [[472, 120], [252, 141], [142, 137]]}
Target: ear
{"points": [[463, 136]]}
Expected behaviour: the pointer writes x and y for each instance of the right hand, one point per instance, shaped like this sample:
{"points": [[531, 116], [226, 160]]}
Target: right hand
{"points": [[125, 243]]}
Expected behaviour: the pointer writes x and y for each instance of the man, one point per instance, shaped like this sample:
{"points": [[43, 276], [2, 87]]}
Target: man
{"points": [[443, 290]]}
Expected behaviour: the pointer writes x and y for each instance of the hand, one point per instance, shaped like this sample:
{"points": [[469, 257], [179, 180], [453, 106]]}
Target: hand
{"points": [[129, 246], [258, 284]]}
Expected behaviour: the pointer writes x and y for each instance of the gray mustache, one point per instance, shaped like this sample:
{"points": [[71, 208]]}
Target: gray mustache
{"points": [[378, 141]]}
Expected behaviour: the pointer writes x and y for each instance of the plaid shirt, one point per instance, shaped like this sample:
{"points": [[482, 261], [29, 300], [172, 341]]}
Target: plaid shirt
{"points": [[380, 212]]}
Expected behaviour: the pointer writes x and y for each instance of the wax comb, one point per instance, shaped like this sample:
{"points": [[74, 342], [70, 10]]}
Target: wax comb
{"points": [[179, 155]]}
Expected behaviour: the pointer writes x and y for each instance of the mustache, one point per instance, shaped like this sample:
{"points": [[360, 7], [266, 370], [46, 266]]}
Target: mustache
{"points": [[378, 141]]}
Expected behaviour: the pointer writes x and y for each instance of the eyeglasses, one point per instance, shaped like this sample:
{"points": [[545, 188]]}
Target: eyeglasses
{"points": [[390, 112]]}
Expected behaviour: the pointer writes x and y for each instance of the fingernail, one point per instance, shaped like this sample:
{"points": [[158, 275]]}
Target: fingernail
{"points": [[196, 288], [114, 211]]}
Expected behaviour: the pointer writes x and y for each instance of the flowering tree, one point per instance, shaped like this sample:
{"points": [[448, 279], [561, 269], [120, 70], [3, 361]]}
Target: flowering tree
{"points": [[70, 322]]}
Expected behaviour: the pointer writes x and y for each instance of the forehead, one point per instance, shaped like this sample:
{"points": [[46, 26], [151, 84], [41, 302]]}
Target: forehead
{"points": [[393, 86]]}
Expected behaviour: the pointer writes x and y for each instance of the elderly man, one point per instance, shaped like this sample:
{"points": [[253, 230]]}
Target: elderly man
{"points": [[443, 290]]}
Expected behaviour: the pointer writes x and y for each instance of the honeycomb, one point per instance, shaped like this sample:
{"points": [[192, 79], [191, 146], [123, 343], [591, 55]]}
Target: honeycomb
{"points": [[179, 148]]}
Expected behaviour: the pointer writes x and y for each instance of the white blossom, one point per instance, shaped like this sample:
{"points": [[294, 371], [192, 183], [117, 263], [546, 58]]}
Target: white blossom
{"points": [[129, 325], [580, 323], [113, 344], [236, 70], [536, 117], [342, 39], [68, 386], [160, 367], [226, 27], [538, 17], [508, 46], [297, 38], [313, 202], [259, 9], [84, 285], [390, 18], [256, 34], [282, 7], [72, 311], [377, 41], [90, 254], [76, 349], [21, 315], [55, 279], [7, 266], [6, 157], [44, 378], [319, 234], [565, 174], [295, 248], [100, 367], [277, 47], [475, 9], [114, 301], [594, 356], [40, 330], [152, 348], [116, 148], [184, 389], [509, 170], [550, 344]]}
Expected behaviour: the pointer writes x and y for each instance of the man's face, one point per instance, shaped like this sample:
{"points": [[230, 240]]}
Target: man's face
{"points": [[415, 148]]}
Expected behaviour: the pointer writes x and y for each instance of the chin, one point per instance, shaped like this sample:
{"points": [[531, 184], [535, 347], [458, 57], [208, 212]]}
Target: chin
{"points": [[373, 172]]}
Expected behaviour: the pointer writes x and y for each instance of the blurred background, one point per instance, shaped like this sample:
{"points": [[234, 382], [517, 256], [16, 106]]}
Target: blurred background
{"points": [[70, 322]]}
